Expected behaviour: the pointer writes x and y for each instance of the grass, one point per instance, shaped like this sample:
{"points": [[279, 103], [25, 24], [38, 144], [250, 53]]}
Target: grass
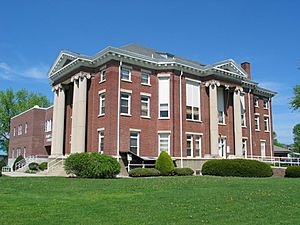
{"points": [[164, 200]]}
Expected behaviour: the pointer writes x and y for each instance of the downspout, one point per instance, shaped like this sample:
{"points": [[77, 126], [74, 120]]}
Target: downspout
{"points": [[250, 124], [118, 117], [180, 122], [270, 128]]}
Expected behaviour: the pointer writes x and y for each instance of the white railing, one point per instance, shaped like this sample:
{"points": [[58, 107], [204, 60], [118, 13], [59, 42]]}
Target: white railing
{"points": [[6, 169], [278, 161], [58, 161], [20, 164]]}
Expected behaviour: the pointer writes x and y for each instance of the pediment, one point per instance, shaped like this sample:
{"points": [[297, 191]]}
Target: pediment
{"points": [[230, 66], [62, 60]]}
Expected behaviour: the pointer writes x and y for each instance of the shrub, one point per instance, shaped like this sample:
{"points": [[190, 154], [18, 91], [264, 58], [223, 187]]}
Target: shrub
{"points": [[33, 166], [164, 164], [2, 164], [43, 166], [236, 168], [92, 165], [292, 171], [18, 159], [186, 171], [144, 172]]}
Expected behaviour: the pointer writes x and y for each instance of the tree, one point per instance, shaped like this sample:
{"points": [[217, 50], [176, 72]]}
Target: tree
{"points": [[13, 103], [296, 132], [295, 102]]}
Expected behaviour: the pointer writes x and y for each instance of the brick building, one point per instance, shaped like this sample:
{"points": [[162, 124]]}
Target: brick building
{"points": [[134, 101]]}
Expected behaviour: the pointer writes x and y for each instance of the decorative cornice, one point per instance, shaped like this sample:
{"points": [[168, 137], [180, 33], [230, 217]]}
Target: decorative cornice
{"points": [[80, 75]]}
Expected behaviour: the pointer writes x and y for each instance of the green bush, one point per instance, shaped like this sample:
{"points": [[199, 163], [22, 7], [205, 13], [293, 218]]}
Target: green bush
{"points": [[186, 171], [2, 164], [236, 168], [43, 166], [144, 172], [33, 166], [92, 165], [164, 164], [18, 159], [292, 171]]}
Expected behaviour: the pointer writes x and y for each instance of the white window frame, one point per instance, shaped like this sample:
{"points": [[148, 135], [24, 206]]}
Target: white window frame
{"points": [[24, 152], [26, 128], [192, 150], [266, 124], [160, 77], [256, 102], [148, 105], [102, 74], [256, 120], [129, 68], [265, 147], [221, 114], [148, 81], [199, 140], [196, 83], [129, 103], [265, 104], [244, 147], [20, 128], [224, 151], [137, 137], [101, 136], [102, 96], [14, 131], [168, 139]]}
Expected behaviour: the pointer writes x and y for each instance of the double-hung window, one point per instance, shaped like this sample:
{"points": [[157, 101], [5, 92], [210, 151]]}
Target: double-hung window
{"points": [[145, 106], [103, 74], [193, 145], [221, 106], [20, 130], [126, 73], [255, 99], [243, 111], [164, 142], [102, 104], [265, 104], [164, 97], [192, 100], [14, 131], [266, 124], [101, 140], [125, 103], [134, 142], [145, 77], [198, 146], [244, 147], [256, 122], [189, 145]]}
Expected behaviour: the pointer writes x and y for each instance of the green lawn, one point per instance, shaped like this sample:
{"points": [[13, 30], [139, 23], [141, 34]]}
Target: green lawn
{"points": [[166, 200]]}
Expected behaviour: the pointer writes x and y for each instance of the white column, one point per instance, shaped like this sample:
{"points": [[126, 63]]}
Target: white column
{"points": [[58, 122], [74, 116], [213, 117], [237, 122]]}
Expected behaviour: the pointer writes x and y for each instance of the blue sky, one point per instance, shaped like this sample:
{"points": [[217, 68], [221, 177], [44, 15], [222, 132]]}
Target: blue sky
{"points": [[265, 33]]}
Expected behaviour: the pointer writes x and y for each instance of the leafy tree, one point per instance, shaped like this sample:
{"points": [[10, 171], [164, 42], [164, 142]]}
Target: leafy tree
{"points": [[13, 103], [296, 132], [295, 102]]}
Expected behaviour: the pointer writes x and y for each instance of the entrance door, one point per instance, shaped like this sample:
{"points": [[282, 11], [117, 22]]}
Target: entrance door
{"points": [[222, 147], [263, 148]]}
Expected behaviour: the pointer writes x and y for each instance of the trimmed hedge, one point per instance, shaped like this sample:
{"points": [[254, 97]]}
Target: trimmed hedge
{"points": [[144, 172], [18, 159], [92, 165], [2, 164], [292, 171], [33, 166], [43, 166], [164, 164], [236, 168], [186, 171]]}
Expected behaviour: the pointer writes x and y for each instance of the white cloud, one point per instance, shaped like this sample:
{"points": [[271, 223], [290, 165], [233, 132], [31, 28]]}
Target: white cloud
{"points": [[38, 72]]}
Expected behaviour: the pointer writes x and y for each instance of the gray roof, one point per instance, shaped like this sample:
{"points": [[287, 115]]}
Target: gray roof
{"points": [[278, 149]]}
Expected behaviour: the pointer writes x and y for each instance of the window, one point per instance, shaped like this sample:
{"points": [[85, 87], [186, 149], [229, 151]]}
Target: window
{"points": [[244, 147], [256, 102], [145, 77], [20, 130], [189, 145], [24, 152], [263, 148], [266, 124], [48, 126], [256, 122], [164, 96], [221, 108], [222, 147], [192, 100], [13, 153], [26, 128], [101, 140], [265, 104], [243, 111], [145, 106], [125, 103], [134, 142], [103, 74], [198, 148], [125, 73], [164, 142], [102, 104], [14, 131]]}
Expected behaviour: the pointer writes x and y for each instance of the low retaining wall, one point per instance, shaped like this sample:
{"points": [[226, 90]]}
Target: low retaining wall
{"points": [[195, 164]]}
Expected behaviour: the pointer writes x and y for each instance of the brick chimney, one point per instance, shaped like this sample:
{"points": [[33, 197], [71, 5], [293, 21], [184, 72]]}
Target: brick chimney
{"points": [[247, 67]]}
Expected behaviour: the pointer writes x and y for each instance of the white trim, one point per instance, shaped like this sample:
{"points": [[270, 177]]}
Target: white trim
{"points": [[163, 75], [134, 130], [138, 140], [256, 114], [118, 111], [266, 115], [129, 103], [101, 129], [193, 80], [194, 133], [126, 66], [126, 90], [101, 91], [146, 117], [145, 94], [163, 131], [169, 142], [146, 71], [180, 120], [148, 104]]}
